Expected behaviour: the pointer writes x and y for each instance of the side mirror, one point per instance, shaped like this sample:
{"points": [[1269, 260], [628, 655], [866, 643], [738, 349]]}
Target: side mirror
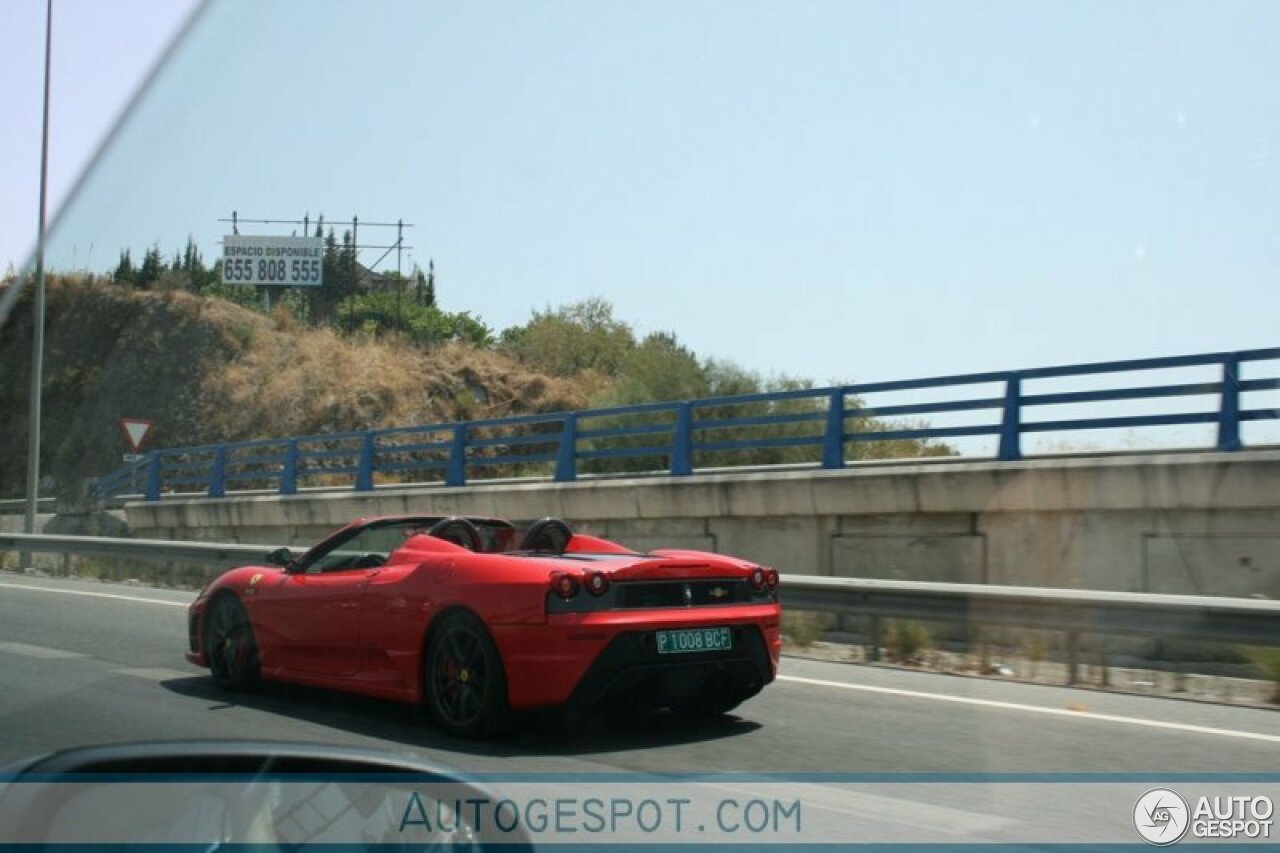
{"points": [[282, 557]]}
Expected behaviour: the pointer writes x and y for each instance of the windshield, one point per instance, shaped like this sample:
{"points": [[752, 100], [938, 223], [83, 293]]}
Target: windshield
{"points": [[953, 324]]}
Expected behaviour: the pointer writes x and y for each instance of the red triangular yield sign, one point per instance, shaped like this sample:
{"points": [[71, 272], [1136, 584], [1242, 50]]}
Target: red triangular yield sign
{"points": [[135, 431]]}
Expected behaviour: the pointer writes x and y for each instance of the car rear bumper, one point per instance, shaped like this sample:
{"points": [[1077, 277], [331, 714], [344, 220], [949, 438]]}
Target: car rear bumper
{"points": [[600, 657], [631, 674]]}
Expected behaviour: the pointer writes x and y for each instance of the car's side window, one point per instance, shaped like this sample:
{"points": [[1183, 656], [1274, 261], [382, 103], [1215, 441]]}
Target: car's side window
{"points": [[341, 555], [368, 549]]}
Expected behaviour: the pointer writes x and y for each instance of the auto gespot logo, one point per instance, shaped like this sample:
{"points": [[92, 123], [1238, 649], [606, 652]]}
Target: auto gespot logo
{"points": [[1163, 817]]}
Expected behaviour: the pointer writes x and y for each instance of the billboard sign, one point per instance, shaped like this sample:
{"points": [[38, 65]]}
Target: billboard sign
{"points": [[289, 261]]}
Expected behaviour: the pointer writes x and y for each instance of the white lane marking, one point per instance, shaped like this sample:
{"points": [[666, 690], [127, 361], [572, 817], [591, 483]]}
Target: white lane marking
{"points": [[4, 585], [1037, 709], [40, 652], [157, 673]]}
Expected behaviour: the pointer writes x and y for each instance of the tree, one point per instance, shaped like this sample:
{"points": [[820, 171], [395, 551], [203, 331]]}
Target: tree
{"points": [[424, 290], [572, 339], [726, 379], [193, 264], [348, 279], [660, 368], [152, 266], [323, 300], [424, 325], [125, 273]]}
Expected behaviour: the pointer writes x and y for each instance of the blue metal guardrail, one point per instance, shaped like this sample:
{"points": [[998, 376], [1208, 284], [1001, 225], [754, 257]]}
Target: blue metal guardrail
{"points": [[671, 435]]}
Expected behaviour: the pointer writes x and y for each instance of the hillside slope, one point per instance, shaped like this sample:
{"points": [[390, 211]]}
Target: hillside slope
{"points": [[205, 370]]}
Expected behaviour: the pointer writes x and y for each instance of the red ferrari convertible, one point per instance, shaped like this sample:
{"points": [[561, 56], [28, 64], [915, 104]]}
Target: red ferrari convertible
{"points": [[477, 619]]}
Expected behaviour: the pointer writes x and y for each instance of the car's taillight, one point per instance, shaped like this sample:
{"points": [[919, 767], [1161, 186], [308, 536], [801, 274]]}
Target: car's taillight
{"points": [[565, 585], [595, 582], [771, 578], [757, 578]]}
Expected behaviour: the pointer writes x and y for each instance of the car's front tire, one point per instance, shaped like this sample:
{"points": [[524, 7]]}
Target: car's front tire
{"points": [[464, 683], [230, 646]]}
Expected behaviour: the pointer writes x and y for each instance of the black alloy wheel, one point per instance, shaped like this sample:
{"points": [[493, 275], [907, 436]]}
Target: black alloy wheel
{"points": [[230, 646], [465, 684]]}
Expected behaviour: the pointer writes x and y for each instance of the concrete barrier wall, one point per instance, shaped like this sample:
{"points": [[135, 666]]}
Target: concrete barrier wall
{"points": [[13, 522], [1180, 523]]}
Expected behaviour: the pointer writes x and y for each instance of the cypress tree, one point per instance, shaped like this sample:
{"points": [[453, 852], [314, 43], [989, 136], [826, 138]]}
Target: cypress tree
{"points": [[152, 266], [125, 273]]}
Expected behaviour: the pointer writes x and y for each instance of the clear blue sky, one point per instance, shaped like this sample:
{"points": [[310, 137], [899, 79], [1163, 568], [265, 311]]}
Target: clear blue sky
{"points": [[101, 51], [839, 190]]}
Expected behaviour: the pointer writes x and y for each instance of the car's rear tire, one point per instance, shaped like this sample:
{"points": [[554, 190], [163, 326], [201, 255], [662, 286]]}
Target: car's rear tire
{"points": [[230, 646], [464, 684]]}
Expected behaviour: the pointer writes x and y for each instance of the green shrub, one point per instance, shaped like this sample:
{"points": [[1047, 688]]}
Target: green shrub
{"points": [[804, 627], [92, 567], [1035, 647], [1267, 661], [905, 640]]}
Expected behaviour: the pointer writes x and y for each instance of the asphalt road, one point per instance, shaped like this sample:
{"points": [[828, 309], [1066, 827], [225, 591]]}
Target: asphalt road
{"points": [[84, 662]]}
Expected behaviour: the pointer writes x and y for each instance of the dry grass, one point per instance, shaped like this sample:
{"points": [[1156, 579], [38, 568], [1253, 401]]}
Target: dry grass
{"points": [[317, 381], [805, 627], [207, 370]]}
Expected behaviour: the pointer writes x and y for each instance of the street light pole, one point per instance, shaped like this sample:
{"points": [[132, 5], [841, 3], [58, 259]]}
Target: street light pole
{"points": [[37, 339]]}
